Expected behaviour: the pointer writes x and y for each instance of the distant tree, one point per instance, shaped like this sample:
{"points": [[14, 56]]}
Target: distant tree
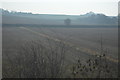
{"points": [[67, 21]]}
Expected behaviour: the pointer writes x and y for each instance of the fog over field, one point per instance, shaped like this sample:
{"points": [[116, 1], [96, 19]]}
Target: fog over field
{"points": [[89, 18], [83, 42], [59, 46]]}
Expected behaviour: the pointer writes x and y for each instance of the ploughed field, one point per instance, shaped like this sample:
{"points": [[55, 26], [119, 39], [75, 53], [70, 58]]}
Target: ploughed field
{"points": [[82, 42]]}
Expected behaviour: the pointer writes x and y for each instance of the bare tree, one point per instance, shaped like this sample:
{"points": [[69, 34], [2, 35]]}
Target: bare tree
{"points": [[38, 60]]}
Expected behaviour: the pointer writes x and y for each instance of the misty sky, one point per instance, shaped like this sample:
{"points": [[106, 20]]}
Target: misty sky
{"points": [[69, 7]]}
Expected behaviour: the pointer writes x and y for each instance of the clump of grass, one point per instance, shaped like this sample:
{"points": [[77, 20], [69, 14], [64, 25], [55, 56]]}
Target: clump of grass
{"points": [[96, 66]]}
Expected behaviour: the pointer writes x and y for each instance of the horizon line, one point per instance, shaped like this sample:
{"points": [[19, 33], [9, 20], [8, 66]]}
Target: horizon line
{"points": [[55, 13]]}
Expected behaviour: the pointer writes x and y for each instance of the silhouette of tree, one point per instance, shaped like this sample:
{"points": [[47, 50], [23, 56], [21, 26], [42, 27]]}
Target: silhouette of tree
{"points": [[67, 21]]}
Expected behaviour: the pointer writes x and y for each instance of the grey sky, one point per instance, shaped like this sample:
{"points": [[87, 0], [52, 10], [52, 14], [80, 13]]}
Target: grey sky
{"points": [[70, 7]]}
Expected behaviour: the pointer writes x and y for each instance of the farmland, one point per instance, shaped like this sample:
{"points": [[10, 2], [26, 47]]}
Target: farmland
{"points": [[82, 42]]}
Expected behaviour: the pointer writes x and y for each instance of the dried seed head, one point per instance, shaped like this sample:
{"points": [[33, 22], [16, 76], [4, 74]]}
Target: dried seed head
{"points": [[90, 69], [93, 67], [103, 54], [80, 69]]}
